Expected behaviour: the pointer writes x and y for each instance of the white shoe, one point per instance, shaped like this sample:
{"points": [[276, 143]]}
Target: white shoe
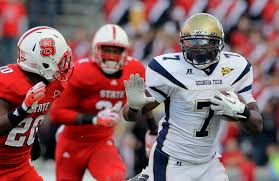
{"points": [[141, 176]]}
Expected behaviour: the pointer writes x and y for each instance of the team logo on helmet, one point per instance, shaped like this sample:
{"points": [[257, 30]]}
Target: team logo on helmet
{"points": [[47, 46]]}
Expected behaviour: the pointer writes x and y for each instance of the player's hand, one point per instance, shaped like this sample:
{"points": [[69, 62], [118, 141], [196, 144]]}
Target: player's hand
{"points": [[149, 141], [36, 93], [135, 92], [228, 105], [106, 117]]}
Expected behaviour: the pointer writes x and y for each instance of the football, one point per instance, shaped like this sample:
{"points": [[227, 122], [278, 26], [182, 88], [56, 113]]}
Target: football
{"points": [[228, 118], [238, 95]]}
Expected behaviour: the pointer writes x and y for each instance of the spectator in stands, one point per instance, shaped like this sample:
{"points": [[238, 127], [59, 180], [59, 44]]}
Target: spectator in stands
{"points": [[80, 43], [273, 161], [41, 12], [13, 22], [232, 157]]}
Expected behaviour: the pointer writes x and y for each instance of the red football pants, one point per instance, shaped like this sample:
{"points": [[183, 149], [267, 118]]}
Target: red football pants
{"points": [[28, 173], [101, 158]]}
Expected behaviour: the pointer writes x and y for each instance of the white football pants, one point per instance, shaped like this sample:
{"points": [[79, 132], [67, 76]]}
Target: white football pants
{"points": [[162, 167]]}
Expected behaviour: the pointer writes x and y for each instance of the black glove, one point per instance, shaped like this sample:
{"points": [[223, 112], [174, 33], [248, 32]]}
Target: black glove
{"points": [[36, 149]]}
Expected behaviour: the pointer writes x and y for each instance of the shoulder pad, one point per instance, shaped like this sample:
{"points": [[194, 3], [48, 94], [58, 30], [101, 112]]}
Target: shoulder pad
{"points": [[234, 61], [13, 83], [81, 72], [231, 57], [238, 64], [171, 66], [134, 66], [130, 58], [170, 57]]}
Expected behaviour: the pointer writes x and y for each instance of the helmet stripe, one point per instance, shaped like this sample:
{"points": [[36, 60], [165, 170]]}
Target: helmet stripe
{"points": [[113, 32], [31, 31]]}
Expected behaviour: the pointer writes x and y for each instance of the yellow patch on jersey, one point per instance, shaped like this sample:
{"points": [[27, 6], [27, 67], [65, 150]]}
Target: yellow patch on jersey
{"points": [[226, 70]]}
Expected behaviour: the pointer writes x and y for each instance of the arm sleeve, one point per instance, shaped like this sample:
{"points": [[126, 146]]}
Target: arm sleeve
{"points": [[63, 109], [6, 94], [158, 86], [10, 93], [244, 88]]}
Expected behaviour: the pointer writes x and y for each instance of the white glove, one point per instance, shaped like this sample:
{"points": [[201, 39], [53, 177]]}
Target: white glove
{"points": [[135, 92], [106, 117], [228, 105], [149, 141]]}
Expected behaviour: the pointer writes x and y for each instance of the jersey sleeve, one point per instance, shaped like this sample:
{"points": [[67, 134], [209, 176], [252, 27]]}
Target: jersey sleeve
{"points": [[63, 108], [157, 86], [75, 80], [6, 93], [11, 91], [244, 86], [80, 74]]}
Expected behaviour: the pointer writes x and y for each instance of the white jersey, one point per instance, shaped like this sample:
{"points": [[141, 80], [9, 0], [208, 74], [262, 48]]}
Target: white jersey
{"points": [[189, 128]]}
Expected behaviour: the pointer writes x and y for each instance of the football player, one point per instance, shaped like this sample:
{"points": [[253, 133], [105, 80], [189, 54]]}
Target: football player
{"points": [[90, 107], [200, 87], [27, 90]]}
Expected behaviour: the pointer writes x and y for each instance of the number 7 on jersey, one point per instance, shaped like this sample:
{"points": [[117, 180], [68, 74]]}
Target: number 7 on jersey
{"points": [[204, 106]]}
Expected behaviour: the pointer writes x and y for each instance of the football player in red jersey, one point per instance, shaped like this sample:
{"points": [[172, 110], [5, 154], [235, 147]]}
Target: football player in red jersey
{"points": [[90, 106], [27, 90]]}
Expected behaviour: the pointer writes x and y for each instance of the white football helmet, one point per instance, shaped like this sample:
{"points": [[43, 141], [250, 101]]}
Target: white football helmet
{"points": [[110, 35], [43, 50]]}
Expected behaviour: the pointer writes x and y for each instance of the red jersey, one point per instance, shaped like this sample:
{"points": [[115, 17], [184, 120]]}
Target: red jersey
{"points": [[89, 91], [15, 146]]}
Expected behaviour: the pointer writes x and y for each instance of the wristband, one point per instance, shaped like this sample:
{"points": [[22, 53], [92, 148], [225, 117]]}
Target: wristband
{"points": [[246, 113], [17, 115], [133, 110], [87, 118]]}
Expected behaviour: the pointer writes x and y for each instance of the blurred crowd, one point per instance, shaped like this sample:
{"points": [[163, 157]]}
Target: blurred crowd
{"points": [[251, 29], [16, 16]]}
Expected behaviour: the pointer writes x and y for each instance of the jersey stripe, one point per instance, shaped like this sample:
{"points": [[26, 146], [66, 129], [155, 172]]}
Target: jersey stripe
{"points": [[160, 165], [245, 89], [165, 125], [167, 109], [243, 73], [159, 91], [155, 66], [160, 158], [113, 32]]}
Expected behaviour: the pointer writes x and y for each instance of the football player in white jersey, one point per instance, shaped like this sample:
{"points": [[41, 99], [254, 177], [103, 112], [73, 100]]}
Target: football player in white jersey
{"points": [[200, 87]]}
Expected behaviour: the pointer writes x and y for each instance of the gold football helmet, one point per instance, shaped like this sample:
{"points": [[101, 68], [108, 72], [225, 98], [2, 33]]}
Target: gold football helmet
{"points": [[201, 40]]}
